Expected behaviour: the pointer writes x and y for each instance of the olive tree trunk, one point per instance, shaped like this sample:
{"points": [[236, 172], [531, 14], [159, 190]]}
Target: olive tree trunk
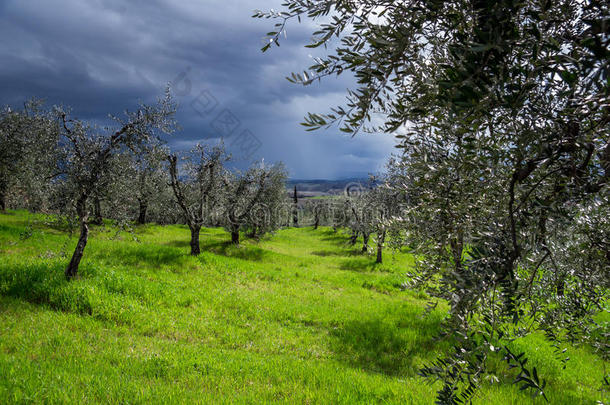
{"points": [[3, 192], [353, 239], [235, 236], [457, 250], [380, 242], [195, 240], [560, 286], [72, 269], [97, 212], [365, 244], [142, 211]]}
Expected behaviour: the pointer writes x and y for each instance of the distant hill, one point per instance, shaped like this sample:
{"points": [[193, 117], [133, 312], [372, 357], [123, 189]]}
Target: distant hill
{"points": [[319, 187]]}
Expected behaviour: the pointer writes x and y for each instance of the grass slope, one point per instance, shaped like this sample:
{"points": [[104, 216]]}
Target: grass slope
{"points": [[299, 317]]}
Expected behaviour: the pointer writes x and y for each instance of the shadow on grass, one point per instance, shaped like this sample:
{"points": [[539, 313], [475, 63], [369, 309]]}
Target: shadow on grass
{"points": [[363, 265], [338, 237], [339, 253], [107, 296], [156, 255], [228, 249], [387, 347], [400, 348], [224, 248], [12, 231], [149, 255], [178, 243], [44, 284]]}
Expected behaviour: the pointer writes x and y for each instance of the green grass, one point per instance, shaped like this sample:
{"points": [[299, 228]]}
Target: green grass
{"points": [[300, 317]]}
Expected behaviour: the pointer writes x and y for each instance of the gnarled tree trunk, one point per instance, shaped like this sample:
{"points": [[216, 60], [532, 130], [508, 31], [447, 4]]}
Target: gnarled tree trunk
{"points": [[365, 244], [560, 286], [457, 249], [195, 240], [353, 238], [72, 269], [235, 236], [97, 212], [142, 211], [3, 192], [380, 242]]}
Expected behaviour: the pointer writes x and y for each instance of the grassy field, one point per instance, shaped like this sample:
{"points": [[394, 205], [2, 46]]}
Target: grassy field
{"points": [[300, 317]]}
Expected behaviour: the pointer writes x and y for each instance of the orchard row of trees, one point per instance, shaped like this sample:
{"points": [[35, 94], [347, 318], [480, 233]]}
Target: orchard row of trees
{"points": [[501, 109], [51, 162]]}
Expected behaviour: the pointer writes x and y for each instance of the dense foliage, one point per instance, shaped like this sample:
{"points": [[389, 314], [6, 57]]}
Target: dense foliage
{"points": [[197, 191], [253, 199], [27, 141], [502, 111], [84, 167]]}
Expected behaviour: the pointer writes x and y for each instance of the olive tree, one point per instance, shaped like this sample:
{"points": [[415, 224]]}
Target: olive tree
{"points": [[197, 191], [386, 202], [267, 215], [371, 212], [321, 212], [137, 183], [149, 178], [341, 215], [362, 218], [87, 154], [27, 153], [502, 111], [254, 197]]}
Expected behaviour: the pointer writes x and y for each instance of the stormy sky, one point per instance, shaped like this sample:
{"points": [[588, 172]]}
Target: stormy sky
{"points": [[101, 57]]}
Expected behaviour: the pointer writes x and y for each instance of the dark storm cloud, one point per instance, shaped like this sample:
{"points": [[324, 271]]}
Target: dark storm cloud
{"points": [[102, 56]]}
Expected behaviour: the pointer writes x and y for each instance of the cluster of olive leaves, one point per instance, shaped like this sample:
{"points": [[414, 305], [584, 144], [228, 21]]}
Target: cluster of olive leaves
{"points": [[502, 110]]}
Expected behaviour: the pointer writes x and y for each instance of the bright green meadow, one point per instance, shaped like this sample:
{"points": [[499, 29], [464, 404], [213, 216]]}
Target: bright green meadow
{"points": [[299, 317]]}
